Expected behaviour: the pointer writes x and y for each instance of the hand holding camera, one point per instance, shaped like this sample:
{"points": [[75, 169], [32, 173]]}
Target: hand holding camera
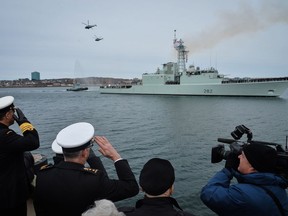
{"points": [[20, 118], [218, 153], [232, 161]]}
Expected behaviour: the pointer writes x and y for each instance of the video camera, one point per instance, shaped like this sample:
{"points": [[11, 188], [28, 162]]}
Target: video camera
{"points": [[218, 153]]}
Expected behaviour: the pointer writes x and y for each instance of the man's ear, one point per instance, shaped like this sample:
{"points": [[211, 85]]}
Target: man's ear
{"points": [[85, 152], [171, 190]]}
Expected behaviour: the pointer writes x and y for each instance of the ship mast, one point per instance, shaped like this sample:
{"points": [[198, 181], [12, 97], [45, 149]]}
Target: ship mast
{"points": [[182, 54]]}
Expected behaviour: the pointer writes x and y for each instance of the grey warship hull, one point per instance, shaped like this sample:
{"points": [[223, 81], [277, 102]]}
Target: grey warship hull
{"points": [[259, 89], [175, 79]]}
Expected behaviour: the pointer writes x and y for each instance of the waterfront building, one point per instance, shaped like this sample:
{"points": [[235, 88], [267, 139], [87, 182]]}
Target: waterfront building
{"points": [[35, 76]]}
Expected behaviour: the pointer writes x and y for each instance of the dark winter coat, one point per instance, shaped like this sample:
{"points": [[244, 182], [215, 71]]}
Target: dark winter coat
{"points": [[69, 188], [162, 206]]}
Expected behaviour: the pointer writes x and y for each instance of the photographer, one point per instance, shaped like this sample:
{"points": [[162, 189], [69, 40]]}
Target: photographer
{"points": [[259, 190]]}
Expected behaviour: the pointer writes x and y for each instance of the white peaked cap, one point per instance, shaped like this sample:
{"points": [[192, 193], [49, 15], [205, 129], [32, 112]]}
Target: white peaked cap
{"points": [[6, 101], [75, 137], [56, 148]]}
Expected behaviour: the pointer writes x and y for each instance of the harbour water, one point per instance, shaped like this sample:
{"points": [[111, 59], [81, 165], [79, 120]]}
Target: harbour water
{"points": [[182, 129]]}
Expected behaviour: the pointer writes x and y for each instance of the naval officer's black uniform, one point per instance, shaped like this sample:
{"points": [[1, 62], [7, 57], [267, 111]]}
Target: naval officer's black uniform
{"points": [[14, 185], [69, 188]]}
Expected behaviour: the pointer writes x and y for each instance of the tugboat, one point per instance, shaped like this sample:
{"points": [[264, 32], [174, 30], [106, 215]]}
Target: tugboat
{"points": [[175, 79], [77, 87]]}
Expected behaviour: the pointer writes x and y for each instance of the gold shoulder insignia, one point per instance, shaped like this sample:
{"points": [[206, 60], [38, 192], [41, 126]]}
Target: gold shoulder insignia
{"points": [[26, 127], [90, 170]]}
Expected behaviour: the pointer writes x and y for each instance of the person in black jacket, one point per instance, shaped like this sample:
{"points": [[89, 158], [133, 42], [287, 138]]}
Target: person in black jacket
{"points": [[14, 180], [70, 188], [157, 182]]}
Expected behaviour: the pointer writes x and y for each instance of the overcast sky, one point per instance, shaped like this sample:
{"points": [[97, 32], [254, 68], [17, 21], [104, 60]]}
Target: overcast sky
{"points": [[245, 38]]}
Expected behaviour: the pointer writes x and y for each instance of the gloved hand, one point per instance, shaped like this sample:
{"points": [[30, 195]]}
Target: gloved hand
{"points": [[20, 117], [232, 161]]}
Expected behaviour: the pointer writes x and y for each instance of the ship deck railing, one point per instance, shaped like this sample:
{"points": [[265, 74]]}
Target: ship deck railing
{"points": [[251, 80], [116, 86]]}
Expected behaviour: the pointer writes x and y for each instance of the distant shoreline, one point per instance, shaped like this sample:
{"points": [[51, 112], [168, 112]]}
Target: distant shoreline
{"points": [[65, 82], [46, 86]]}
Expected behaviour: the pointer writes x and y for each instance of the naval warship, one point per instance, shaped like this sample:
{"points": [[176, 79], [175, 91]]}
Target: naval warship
{"points": [[175, 79]]}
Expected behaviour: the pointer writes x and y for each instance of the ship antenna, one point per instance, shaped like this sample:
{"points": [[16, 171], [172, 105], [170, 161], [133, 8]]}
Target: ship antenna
{"points": [[216, 61], [210, 59], [174, 37]]}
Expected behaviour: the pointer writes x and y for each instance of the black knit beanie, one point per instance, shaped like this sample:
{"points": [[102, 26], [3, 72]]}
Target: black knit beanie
{"points": [[157, 176], [262, 157]]}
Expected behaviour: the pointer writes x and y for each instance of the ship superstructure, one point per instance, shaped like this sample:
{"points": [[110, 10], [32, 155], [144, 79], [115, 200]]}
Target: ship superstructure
{"points": [[175, 79]]}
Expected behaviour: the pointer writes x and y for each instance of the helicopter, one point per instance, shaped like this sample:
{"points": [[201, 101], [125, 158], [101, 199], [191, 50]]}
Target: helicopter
{"points": [[88, 26], [98, 38]]}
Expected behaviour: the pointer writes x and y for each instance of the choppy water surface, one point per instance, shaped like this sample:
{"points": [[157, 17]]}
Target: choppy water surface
{"points": [[181, 129]]}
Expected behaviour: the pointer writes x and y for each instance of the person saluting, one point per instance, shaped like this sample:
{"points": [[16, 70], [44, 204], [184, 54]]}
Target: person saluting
{"points": [[70, 188], [14, 182]]}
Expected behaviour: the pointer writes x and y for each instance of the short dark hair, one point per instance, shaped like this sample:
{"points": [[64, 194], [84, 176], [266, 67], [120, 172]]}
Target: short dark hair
{"points": [[71, 154]]}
